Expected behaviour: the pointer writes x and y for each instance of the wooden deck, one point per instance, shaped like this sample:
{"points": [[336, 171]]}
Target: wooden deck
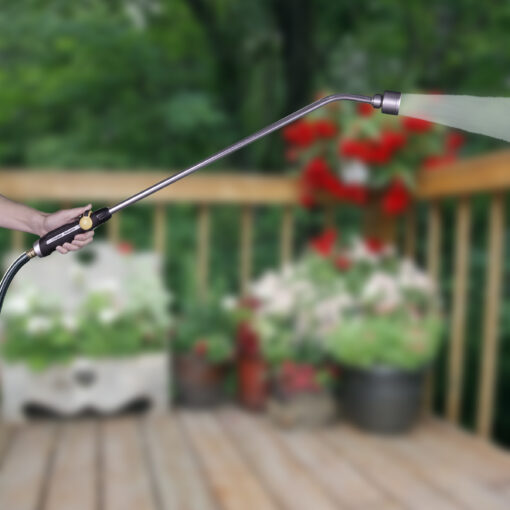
{"points": [[230, 460]]}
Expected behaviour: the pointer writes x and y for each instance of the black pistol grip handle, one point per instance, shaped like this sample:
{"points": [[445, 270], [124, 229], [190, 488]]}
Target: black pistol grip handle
{"points": [[48, 243]]}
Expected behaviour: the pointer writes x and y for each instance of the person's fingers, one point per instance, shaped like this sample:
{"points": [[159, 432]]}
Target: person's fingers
{"points": [[70, 247], [85, 236], [81, 244], [62, 250]]}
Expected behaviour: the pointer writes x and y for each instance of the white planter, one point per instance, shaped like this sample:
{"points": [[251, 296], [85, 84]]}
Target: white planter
{"points": [[104, 386]]}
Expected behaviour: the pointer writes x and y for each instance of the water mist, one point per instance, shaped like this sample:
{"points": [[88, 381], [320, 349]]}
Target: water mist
{"points": [[483, 115]]}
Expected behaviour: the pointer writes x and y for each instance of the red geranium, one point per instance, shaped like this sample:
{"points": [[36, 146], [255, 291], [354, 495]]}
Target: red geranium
{"points": [[416, 125], [298, 377], [300, 133], [365, 109], [324, 243], [325, 128], [454, 141], [374, 245], [396, 199]]}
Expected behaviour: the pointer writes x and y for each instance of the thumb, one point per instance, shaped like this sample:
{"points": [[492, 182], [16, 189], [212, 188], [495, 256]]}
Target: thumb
{"points": [[71, 214]]}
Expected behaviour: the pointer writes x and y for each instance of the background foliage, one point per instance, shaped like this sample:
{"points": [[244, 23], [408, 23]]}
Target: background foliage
{"points": [[162, 83]]}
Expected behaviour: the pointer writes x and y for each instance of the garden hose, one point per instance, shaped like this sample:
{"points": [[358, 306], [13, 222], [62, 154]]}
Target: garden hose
{"points": [[389, 103]]}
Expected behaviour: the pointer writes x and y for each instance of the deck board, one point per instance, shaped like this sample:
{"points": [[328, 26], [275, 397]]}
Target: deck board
{"points": [[73, 484], [127, 485], [232, 460], [23, 475], [235, 486]]}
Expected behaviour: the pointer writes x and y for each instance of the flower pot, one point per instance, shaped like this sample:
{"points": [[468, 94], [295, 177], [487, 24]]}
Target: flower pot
{"points": [[251, 375], [382, 399], [298, 399], [86, 386], [198, 382]]}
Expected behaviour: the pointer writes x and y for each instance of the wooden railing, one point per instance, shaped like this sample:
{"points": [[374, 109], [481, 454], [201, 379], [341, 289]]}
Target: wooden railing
{"points": [[488, 174]]}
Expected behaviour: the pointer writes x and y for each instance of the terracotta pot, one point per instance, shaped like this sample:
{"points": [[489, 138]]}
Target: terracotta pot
{"points": [[252, 380], [198, 382]]}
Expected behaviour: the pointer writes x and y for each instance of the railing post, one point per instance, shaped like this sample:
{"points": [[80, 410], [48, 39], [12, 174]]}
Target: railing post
{"points": [[456, 361], [203, 236], [410, 233], [159, 228], [486, 388], [434, 236], [246, 248], [286, 235]]}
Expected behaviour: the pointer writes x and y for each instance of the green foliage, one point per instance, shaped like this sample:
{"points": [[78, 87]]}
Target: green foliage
{"points": [[206, 329], [393, 340], [43, 336]]}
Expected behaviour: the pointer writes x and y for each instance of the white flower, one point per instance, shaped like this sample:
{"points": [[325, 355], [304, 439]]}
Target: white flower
{"points": [[383, 290], [38, 324], [107, 315], [266, 286], [355, 172], [69, 322], [17, 305], [410, 277]]}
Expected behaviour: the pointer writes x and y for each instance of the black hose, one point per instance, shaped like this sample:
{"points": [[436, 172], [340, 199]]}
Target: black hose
{"points": [[10, 274]]}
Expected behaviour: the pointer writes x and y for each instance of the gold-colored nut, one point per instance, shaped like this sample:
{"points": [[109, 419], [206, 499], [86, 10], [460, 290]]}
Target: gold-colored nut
{"points": [[86, 222]]}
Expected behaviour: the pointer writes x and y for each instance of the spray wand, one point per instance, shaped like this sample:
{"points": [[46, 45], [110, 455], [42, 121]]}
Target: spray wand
{"points": [[389, 103]]}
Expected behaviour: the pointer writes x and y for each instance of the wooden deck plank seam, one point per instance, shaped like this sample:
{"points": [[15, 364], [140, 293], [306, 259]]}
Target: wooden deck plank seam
{"points": [[42, 497], [197, 460], [99, 466], [149, 464], [8, 443]]}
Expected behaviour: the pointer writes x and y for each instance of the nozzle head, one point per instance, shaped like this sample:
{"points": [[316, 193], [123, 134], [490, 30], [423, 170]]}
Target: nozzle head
{"points": [[390, 102]]}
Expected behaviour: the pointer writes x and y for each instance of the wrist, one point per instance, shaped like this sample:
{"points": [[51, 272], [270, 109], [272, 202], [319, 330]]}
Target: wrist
{"points": [[37, 221]]}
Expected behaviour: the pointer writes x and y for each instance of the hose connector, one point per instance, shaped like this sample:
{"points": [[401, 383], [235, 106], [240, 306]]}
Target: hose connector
{"points": [[389, 102]]}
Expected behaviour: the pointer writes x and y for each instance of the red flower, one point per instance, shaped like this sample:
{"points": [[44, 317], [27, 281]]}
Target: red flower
{"points": [[325, 128], [454, 141], [125, 248], [342, 263], [416, 125], [300, 133], [200, 348], [324, 243], [374, 245], [393, 140], [298, 377], [433, 162], [247, 341], [365, 109], [396, 199], [307, 200]]}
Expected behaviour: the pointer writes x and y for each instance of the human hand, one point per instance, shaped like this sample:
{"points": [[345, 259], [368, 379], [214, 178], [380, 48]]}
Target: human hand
{"points": [[55, 220]]}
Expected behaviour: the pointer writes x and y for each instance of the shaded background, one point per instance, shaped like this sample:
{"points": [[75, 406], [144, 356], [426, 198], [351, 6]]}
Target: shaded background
{"points": [[162, 84]]}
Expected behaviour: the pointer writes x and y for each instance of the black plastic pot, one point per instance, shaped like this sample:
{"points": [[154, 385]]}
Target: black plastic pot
{"points": [[382, 399]]}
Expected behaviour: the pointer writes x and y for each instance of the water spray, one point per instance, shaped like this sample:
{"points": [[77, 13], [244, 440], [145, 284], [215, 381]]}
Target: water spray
{"points": [[481, 115]]}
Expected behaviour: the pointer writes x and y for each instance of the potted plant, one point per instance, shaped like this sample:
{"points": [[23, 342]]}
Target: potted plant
{"points": [[292, 319], [203, 346], [97, 345], [387, 339]]}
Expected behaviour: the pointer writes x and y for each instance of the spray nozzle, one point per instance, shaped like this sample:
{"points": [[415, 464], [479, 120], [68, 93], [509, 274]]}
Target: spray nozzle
{"points": [[389, 102]]}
